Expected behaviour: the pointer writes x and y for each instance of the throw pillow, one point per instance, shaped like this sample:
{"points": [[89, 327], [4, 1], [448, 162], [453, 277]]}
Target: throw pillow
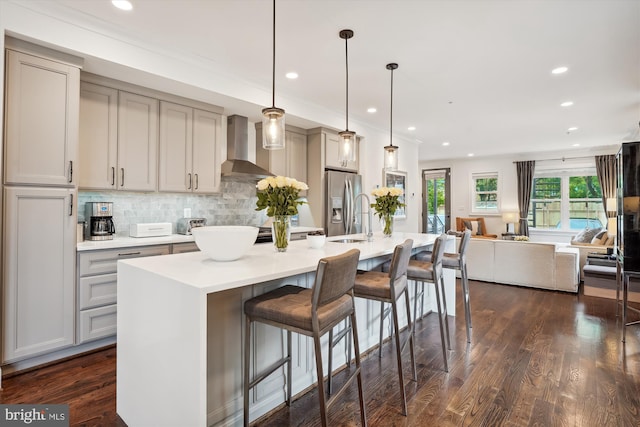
{"points": [[600, 238], [586, 235], [474, 226]]}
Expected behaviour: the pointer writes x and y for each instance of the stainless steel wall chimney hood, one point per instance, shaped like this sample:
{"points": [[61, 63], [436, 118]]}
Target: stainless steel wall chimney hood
{"points": [[237, 163]]}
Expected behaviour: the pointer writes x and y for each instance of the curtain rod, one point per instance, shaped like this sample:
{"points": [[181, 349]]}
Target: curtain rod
{"points": [[562, 158]]}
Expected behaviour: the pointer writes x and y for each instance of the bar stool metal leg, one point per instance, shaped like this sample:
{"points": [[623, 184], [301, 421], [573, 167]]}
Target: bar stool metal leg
{"points": [[444, 339], [465, 295], [383, 315]]}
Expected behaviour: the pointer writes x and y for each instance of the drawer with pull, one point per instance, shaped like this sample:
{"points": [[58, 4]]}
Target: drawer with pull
{"points": [[106, 261]]}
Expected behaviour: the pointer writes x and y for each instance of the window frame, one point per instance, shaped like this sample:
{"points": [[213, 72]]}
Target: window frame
{"points": [[565, 201], [480, 175]]}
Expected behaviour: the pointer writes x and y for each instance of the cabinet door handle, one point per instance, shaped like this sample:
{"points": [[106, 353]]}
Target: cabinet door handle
{"points": [[70, 170], [122, 181], [189, 187], [71, 206], [113, 175], [129, 253], [196, 181]]}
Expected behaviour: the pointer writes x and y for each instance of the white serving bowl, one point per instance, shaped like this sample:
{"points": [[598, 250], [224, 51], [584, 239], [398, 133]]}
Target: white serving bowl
{"points": [[225, 242], [316, 241]]}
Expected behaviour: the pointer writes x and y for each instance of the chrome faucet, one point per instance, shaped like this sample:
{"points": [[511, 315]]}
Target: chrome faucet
{"points": [[370, 216]]}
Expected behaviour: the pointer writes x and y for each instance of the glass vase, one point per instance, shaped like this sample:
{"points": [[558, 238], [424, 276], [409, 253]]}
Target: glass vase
{"points": [[281, 232], [386, 222]]}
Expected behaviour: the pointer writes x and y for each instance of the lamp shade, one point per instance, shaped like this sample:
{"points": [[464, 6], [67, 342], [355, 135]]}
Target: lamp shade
{"points": [[510, 216], [612, 204]]}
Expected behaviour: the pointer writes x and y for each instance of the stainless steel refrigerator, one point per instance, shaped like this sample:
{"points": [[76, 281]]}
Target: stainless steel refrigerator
{"points": [[342, 216]]}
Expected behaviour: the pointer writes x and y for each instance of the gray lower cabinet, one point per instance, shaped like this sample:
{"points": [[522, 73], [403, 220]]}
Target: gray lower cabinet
{"points": [[37, 271], [97, 283]]}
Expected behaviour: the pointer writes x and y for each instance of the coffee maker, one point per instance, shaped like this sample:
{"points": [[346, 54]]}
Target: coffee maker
{"points": [[99, 220]]}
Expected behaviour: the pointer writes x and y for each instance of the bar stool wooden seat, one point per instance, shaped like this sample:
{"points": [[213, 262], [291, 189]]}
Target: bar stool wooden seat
{"points": [[456, 261], [431, 272], [311, 312], [388, 288]]}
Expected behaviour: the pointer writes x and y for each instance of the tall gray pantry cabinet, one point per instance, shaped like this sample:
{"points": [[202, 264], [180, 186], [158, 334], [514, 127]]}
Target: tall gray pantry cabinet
{"points": [[39, 201]]}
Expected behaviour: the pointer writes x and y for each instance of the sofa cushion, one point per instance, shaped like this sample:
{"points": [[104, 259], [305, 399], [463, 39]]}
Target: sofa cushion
{"points": [[586, 235]]}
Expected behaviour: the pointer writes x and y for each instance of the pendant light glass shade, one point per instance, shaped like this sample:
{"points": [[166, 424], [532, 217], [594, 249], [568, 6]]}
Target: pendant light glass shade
{"points": [[391, 158], [347, 147], [272, 128], [347, 151], [273, 117], [391, 151]]}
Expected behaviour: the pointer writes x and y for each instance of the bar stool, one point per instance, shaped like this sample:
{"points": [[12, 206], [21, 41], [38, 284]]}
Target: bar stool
{"points": [[457, 261], [431, 272], [311, 312], [387, 288]]}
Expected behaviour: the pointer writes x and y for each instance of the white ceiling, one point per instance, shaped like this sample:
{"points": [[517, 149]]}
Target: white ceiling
{"points": [[474, 73]]}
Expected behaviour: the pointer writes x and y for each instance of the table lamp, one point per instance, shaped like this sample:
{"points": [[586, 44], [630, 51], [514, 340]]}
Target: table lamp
{"points": [[510, 217]]}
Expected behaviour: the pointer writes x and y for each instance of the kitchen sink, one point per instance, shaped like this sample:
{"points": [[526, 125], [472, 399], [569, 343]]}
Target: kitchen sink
{"points": [[349, 240]]}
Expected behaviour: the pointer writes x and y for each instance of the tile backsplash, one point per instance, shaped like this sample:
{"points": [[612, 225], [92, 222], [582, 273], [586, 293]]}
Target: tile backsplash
{"points": [[235, 205]]}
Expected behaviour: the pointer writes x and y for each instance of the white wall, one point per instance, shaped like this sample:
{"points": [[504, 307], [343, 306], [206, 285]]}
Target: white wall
{"points": [[461, 170], [140, 62]]}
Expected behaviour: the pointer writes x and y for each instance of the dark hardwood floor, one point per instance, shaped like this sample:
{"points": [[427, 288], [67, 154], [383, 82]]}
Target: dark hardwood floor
{"points": [[537, 358]]}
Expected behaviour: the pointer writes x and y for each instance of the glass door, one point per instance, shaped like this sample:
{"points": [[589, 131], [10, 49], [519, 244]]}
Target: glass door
{"points": [[436, 207]]}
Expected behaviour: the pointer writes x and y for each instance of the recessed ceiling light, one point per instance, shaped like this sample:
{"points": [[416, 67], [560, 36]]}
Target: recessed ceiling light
{"points": [[371, 110], [576, 145], [445, 144], [411, 128], [559, 70], [122, 4], [567, 104], [571, 129], [470, 154], [291, 75]]}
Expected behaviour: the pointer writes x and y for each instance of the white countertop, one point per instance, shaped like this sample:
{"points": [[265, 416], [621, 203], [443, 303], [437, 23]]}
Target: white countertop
{"points": [[262, 262], [124, 242]]}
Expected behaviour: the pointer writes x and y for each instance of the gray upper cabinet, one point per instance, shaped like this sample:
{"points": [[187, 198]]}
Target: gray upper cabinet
{"points": [[118, 139], [190, 155], [98, 136], [42, 121], [137, 142]]}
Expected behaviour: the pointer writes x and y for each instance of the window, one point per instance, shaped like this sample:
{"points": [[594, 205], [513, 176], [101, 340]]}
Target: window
{"points": [[484, 193], [566, 200]]}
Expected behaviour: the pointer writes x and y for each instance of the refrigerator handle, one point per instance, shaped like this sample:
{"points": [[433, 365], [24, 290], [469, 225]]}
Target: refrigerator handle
{"points": [[346, 218]]}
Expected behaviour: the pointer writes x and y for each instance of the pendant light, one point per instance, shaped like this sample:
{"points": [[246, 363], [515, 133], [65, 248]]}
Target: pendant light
{"points": [[391, 151], [273, 117], [347, 151]]}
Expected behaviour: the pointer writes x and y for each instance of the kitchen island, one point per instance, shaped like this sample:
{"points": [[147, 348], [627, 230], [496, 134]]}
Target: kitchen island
{"points": [[180, 329]]}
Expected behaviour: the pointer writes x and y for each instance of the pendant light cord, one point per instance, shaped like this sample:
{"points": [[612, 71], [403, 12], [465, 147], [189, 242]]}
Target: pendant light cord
{"points": [[346, 61], [273, 75], [391, 113]]}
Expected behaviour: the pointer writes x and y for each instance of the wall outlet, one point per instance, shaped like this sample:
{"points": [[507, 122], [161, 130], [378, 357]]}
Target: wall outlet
{"points": [[187, 212]]}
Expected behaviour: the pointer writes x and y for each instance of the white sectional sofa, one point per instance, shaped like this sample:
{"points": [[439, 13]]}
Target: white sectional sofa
{"points": [[537, 265]]}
